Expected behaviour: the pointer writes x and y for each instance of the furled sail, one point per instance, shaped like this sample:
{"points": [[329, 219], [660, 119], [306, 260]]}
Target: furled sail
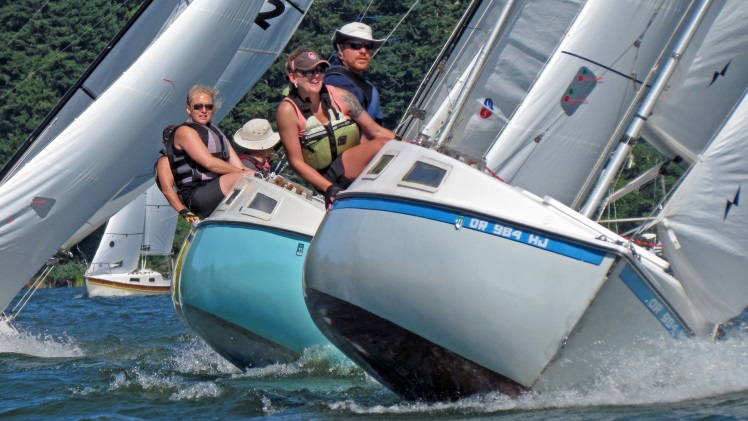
{"points": [[160, 224], [108, 152], [525, 40], [708, 83], [568, 121], [119, 249], [703, 225]]}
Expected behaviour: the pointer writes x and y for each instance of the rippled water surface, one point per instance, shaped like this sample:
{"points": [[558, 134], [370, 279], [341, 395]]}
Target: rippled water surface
{"points": [[132, 358]]}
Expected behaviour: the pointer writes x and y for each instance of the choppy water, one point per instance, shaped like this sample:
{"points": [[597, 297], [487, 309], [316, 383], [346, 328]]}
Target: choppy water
{"points": [[132, 358]]}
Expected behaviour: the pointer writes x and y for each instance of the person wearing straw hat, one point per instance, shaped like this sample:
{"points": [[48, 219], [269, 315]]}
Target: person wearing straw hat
{"points": [[355, 46], [258, 139]]}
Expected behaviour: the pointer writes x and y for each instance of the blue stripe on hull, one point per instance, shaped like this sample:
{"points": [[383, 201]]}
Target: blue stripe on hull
{"points": [[653, 302], [251, 276], [575, 251]]}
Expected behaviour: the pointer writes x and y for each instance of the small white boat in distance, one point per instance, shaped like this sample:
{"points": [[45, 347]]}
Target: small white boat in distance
{"points": [[143, 228]]}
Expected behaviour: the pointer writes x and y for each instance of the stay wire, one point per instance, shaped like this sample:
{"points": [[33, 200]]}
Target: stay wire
{"points": [[57, 56], [398, 24]]}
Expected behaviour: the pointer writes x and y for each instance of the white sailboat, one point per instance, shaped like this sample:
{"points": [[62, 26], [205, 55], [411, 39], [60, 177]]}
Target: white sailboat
{"points": [[494, 286], [145, 227], [102, 157]]}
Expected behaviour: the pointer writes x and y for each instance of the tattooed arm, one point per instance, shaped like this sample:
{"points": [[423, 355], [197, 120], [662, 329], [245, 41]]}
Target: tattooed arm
{"points": [[353, 109]]}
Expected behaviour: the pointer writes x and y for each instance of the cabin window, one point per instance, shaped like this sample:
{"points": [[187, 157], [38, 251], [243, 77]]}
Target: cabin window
{"points": [[134, 279], [233, 196], [425, 174], [381, 164], [263, 203], [151, 279]]}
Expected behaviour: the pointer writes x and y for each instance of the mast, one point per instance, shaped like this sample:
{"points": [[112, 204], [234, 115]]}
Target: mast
{"points": [[633, 133], [475, 72]]}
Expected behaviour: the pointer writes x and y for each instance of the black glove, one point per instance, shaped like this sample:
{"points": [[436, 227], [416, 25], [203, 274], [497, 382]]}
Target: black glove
{"points": [[188, 215], [330, 194]]}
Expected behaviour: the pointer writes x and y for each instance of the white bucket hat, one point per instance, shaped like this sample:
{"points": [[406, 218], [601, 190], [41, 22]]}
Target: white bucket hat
{"points": [[355, 30], [256, 135]]}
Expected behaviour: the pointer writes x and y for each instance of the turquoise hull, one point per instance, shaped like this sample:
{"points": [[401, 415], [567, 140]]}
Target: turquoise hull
{"points": [[239, 287]]}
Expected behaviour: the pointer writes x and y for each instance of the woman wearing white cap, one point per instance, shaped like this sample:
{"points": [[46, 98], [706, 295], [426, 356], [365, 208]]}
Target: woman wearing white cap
{"points": [[258, 139], [320, 128]]}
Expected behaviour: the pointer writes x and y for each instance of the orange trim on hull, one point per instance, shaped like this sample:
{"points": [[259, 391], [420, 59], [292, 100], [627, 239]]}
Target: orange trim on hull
{"points": [[129, 287]]}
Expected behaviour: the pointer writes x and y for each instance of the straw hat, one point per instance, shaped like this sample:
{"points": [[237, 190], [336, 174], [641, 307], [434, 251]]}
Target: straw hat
{"points": [[256, 135], [355, 30]]}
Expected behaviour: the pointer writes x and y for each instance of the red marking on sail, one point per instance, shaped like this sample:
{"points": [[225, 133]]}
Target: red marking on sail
{"points": [[567, 98], [583, 79], [169, 80], [39, 202]]}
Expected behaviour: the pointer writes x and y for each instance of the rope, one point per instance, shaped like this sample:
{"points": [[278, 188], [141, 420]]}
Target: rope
{"points": [[398, 24], [46, 63], [30, 292], [24, 26]]}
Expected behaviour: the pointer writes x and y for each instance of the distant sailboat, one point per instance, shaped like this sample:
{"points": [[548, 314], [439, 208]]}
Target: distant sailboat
{"points": [[91, 165], [490, 286], [143, 228]]}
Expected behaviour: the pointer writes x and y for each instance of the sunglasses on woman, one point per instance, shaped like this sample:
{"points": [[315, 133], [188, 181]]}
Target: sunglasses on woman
{"points": [[319, 70], [198, 107]]}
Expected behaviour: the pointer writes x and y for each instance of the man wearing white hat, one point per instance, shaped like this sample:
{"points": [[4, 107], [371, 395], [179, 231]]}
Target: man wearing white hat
{"points": [[355, 46], [258, 139]]}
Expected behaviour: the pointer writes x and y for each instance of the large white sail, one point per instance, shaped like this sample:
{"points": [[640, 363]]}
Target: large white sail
{"points": [[261, 46], [109, 150], [119, 249], [703, 225], [568, 120], [529, 35], [160, 224], [708, 83]]}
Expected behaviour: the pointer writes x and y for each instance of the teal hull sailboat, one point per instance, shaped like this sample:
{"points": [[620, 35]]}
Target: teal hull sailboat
{"points": [[238, 276]]}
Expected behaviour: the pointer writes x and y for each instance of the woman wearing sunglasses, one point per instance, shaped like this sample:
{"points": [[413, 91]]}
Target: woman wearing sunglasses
{"points": [[320, 127], [204, 164]]}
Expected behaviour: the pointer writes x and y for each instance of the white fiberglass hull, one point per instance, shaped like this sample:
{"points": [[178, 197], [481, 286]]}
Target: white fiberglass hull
{"points": [[139, 282], [469, 285], [238, 276]]}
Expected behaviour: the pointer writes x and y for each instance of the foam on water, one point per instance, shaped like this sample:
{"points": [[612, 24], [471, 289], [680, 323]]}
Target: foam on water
{"points": [[687, 370], [41, 345]]}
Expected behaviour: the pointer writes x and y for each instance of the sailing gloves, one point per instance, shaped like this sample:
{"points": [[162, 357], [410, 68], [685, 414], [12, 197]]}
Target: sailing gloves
{"points": [[188, 215], [330, 194]]}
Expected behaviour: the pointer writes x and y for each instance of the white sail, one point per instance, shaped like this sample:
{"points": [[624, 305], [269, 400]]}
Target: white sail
{"points": [[704, 224], [160, 224], [710, 79], [569, 118], [531, 32], [119, 249], [259, 49], [109, 150]]}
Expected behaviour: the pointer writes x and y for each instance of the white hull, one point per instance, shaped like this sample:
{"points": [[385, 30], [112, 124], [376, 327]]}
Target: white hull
{"points": [[486, 287], [139, 282]]}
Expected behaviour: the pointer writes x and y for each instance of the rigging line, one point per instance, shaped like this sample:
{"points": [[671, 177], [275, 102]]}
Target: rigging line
{"points": [[24, 26], [362, 15], [604, 67], [51, 60], [397, 25]]}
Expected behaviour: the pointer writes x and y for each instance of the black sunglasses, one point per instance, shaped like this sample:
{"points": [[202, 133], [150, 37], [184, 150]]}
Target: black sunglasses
{"points": [[355, 45], [319, 70], [198, 107]]}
